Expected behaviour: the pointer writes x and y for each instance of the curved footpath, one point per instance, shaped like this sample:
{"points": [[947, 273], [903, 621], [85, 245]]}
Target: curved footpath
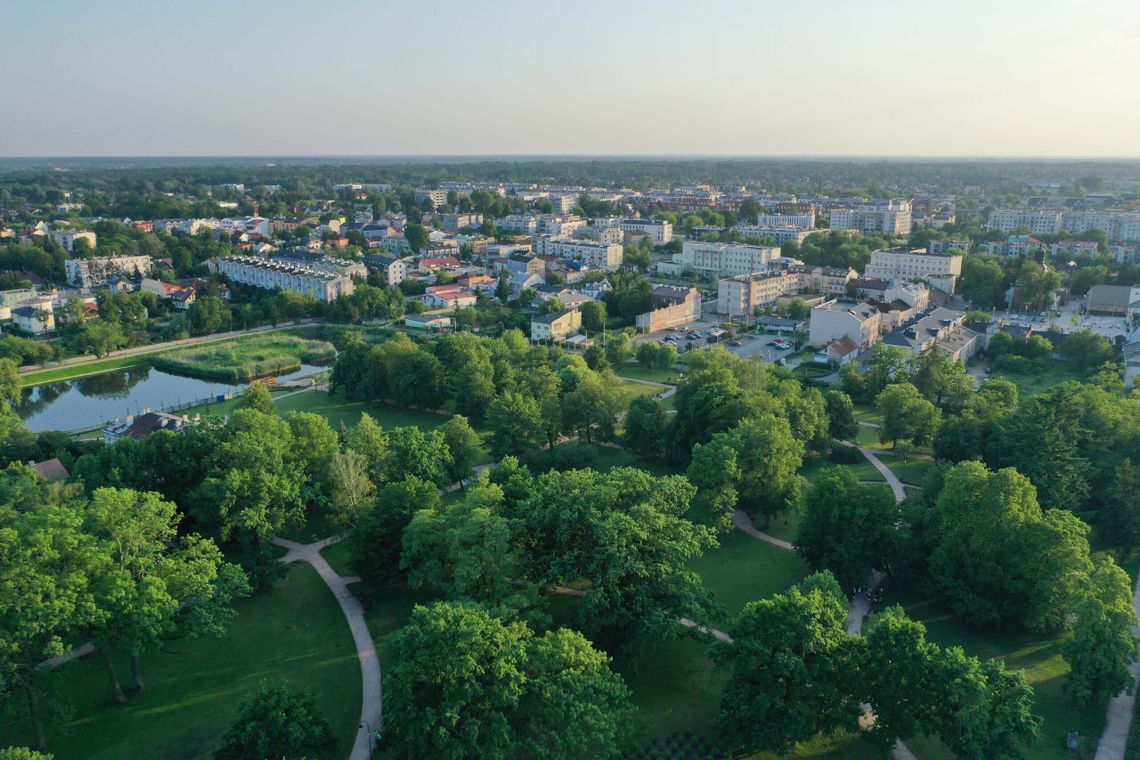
{"points": [[861, 604], [371, 702], [1114, 739]]}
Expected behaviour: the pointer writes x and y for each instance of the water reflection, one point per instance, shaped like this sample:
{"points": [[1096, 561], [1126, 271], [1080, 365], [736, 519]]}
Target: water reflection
{"points": [[95, 400]]}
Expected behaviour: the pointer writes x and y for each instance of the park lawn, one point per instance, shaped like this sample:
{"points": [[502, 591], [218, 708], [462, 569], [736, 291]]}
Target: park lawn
{"points": [[909, 471], [862, 470], [609, 457], [96, 367], [638, 372], [348, 412], [743, 569], [1038, 655], [195, 687], [868, 413], [1033, 384], [628, 390], [338, 556], [868, 438]]}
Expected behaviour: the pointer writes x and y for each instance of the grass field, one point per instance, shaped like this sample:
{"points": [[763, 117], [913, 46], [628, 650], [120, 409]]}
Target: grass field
{"points": [[743, 569], [638, 372], [244, 359], [1040, 658], [1032, 384], [296, 631], [909, 471], [40, 377]]}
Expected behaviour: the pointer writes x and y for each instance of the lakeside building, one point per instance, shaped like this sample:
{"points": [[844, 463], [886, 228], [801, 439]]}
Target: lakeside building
{"points": [[271, 274]]}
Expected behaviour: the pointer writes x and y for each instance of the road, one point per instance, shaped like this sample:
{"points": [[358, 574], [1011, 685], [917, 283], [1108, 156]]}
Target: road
{"points": [[1114, 739]]}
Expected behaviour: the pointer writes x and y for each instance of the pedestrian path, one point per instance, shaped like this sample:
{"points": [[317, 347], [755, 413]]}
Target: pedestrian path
{"points": [[371, 707], [1114, 739]]}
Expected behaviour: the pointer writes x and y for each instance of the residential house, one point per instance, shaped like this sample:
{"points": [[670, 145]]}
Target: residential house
{"points": [[143, 425], [941, 329], [556, 326], [841, 317]]}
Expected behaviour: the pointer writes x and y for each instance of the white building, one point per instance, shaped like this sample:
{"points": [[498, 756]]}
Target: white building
{"points": [[65, 239], [36, 319], [90, 273], [522, 224], [273, 274], [559, 226], [595, 253], [717, 260], [888, 217], [1040, 221], [437, 197], [393, 268], [658, 230], [858, 321], [802, 221], [940, 269], [778, 234]]}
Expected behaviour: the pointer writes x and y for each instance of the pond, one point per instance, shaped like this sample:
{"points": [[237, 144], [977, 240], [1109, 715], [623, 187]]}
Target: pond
{"points": [[97, 399]]}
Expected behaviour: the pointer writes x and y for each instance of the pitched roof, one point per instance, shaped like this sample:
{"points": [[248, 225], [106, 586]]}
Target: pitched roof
{"points": [[51, 469]]}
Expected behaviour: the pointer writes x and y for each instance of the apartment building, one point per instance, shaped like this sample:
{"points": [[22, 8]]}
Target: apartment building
{"points": [[941, 329], [940, 269], [743, 294], [715, 260], [556, 326], [559, 226], [670, 306], [393, 269], [1040, 221], [777, 234], [658, 230], [521, 224], [562, 203], [456, 222], [93, 273], [858, 321], [272, 274], [436, 197], [595, 253], [65, 239], [800, 221], [888, 217], [943, 246]]}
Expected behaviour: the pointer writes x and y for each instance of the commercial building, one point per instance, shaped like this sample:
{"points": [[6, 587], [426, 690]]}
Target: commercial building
{"points": [[595, 253], [1039, 221], [92, 273], [715, 260], [799, 221], [659, 231], [886, 217], [1113, 300], [555, 327], [670, 306], [777, 234], [272, 274], [857, 321], [940, 269]]}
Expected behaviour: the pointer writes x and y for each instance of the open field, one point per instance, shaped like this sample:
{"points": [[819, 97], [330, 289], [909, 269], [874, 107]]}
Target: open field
{"points": [[194, 687], [639, 372], [1034, 383], [244, 359], [81, 370], [742, 570]]}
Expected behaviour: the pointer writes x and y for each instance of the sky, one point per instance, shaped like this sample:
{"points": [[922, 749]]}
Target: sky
{"points": [[590, 77]]}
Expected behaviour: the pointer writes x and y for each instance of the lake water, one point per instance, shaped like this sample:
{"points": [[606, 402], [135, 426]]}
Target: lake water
{"points": [[93, 400]]}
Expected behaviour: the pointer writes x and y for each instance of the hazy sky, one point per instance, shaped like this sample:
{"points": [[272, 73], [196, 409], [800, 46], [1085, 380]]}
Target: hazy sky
{"points": [[276, 77]]}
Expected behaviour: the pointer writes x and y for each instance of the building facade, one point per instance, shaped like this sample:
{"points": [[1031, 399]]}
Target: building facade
{"points": [[271, 274], [715, 260], [915, 263], [92, 273], [595, 253], [887, 217], [857, 321]]}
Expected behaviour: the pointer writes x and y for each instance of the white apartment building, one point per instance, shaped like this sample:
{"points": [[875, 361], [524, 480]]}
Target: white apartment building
{"points": [[717, 260], [562, 203], [658, 230], [940, 269], [778, 234], [604, 234], [92, 273], [802, 221], [65, 239], [595, 253], [741, 295], [559, 226], [522, 224], [270, 274], [888, 217], [437, 197], [1041, 221], [858, 321]]}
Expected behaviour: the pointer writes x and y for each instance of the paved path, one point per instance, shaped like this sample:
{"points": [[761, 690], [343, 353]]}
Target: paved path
{"points": [[1114, 740], [892, 480], [743, 523], [371, 706]]}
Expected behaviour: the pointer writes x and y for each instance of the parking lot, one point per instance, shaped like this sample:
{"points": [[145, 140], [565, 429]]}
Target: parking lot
{"points": [[697, 336]]}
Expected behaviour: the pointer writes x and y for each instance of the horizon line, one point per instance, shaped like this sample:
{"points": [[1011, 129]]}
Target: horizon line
{"points": [[747, 156]]}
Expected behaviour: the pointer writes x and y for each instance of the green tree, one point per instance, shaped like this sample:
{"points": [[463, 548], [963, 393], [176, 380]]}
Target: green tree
{"points": [[1119, 518], [465, 446], [846, 527], [466, 684], [789, 668], [645, 426], [278, 722], [208, 314], [375, 544], [1102, 646], [907, 416], [351, 490], [617, 349], [257, 397], [369, 440], [593, 316], [515, 423], [983, 280], [841, 422], [417, 236]]}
